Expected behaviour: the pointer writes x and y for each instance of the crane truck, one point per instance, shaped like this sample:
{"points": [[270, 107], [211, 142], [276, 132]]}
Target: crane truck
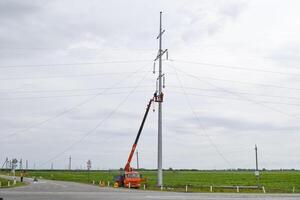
{"points": [[131, 178]]}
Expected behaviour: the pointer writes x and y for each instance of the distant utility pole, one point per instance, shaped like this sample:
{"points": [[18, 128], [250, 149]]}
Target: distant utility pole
{"points": [[137, 160], [21, 164], [6, 163], [159, 93], [9, 164], [256, 160], [26, 164], [14, 164], [89, 166], [70, 163], [256, 166]]}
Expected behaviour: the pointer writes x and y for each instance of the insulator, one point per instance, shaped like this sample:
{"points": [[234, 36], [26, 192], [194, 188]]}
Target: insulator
{"points": [[164, 82], [154, 68]]}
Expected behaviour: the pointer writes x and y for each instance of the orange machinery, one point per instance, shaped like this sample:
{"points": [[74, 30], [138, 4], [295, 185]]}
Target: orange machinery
{"points": [[130, 178]]}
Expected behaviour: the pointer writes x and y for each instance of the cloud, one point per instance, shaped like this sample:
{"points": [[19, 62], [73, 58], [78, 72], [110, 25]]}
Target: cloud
{"points": [[13, 9], [211, 124], [287, 53], [237, 33], [207, 19]]}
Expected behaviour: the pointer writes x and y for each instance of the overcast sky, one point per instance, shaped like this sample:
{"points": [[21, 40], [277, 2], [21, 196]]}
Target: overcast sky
{"points": [[75, 78]]}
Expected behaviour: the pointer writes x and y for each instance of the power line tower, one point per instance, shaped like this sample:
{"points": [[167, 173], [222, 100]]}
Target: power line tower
{"points": [[6, 163], [26, 164], [21, 164], [159, 98], [9, 164], [256, 166], [70, 163]]}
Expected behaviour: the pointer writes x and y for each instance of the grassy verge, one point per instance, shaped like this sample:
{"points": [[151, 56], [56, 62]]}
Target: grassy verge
{"points": [[197, 181], [5, 184]]}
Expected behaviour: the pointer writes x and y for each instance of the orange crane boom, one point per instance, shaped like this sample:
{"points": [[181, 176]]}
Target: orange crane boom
{"points": [[127, 166]]}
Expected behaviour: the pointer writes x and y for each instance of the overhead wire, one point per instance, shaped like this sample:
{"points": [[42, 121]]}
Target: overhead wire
{"points": [[247, 83], [108, 116], [200, 124], [30, 92], [63, 96], [73, 64], [69, 109], [68, 90], [238, 95], [68, 76], [235, 67], [236, 99], [246, 93], [71, 49]]}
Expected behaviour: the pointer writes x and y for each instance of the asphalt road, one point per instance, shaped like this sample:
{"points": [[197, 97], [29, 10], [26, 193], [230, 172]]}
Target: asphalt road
{"points": [[58, 190]]}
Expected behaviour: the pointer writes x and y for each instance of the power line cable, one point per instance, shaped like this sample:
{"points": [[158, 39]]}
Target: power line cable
{"points": [[125, 87], [70, 49], [74, 64], [108, 116], [248, 83], [201, 126], [69, 90], [69, 76], [237, 99], [117, 93], [246, 93], [240, 96], [64, 96], [70, 109], [235, 67]]}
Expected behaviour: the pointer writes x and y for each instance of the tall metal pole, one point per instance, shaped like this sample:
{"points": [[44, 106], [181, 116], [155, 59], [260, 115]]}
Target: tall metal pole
{"points": [[137, 160], [158, 96], [159, 156], [70, 163], [6, 163], [21, 164], [256, 167], [256, 162]]}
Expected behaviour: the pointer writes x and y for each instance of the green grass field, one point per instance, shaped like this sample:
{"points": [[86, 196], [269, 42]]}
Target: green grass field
{"points": [[197, 181], [4, 183]]}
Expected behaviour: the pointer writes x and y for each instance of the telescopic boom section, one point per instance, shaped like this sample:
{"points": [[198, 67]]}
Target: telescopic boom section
{"points": [[127, 166]]}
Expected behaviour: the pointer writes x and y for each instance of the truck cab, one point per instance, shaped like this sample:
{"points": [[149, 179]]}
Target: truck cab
{"points": [[132, 179]]}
